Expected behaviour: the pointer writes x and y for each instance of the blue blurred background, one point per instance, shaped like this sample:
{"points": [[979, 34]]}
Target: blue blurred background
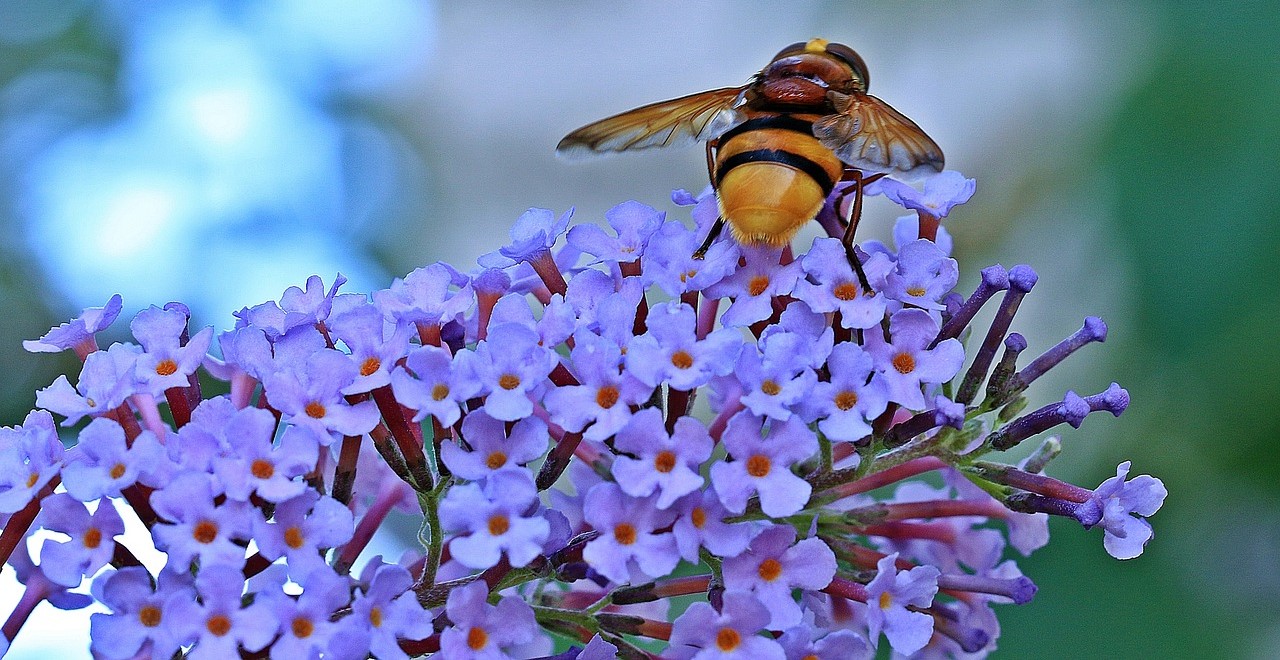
{"points": [[218, 152]]}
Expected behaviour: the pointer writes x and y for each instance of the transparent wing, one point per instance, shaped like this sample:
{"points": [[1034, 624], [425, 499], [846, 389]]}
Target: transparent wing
{"points": [[678, 122], [868, 134]]}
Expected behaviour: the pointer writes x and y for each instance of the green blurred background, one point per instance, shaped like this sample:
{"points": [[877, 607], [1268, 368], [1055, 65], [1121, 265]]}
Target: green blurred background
{"points": [[217, 152]]}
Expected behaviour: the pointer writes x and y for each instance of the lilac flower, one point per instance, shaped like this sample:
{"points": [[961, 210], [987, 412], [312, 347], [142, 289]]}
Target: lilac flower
{"points": [[922, 276], [297, 308], [260, 468], [834, 286], [849, 401], [311, 396], [754, 286], [889, 594], [1122, 507], [431, 295], [305, 622], [510, 366], [431, 383], [798, 644], [301, 528], [628, 535], [140, 614], [492, 449], [605, 396], [942, 192], [78, 333], [762, 465], [907, 229], [633, 222], [166, 362], [106, 380], [92, 538], [907, 362], [665, 463], [102, 463], [373, 349], [30, 455], [199, 529], [670, 352], [701, 632], [798, 319], [385, 612], [779, 380], [700, 523], [244, 351], [494, 520], [217, 624], [775, 564], [483, 631], [669, 262], [532, 235]]}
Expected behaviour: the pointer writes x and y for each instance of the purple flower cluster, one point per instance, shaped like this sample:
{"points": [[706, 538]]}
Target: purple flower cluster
{"points": [[537, 416]]}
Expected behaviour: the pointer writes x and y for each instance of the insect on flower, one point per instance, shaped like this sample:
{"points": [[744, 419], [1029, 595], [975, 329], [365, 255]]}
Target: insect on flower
{"points": [[777, 147]]}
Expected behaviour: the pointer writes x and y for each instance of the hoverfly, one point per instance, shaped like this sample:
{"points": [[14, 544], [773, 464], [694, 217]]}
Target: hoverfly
{"points": [[778, 146]]}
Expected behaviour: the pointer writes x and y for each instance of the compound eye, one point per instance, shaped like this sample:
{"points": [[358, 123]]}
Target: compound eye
{"points": [[848, 56], [794, 49]]}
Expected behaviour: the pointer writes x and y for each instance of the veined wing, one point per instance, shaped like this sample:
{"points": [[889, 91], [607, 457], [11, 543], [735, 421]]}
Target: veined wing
{"points": [[678, 122], [868, 134]]}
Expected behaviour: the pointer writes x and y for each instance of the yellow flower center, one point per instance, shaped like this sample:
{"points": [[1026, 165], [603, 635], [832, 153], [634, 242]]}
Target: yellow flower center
{"points": [[770, 387], [439, 392], [846, 400], [495, 460]]}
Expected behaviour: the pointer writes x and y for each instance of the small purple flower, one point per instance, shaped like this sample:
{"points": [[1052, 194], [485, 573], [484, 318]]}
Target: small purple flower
{"points": [[510, 366], [140, 614], [628, 535], [670, 352], [633, 223], [78, 333], [942, 192], [848, 402], [30, 455], [754, 286], [889, 594], [775, 564], [798, 319], [218, 624], [384, 613], [431, 383], [199, 529], [374, 350], [762, 464], [305, 621], [102, 463], [106, 380], [799, 644], [482, 631], [834, 287], [431, 295], [310, 395], [907, 229], [493, 520], [256, 466], [665, 463], [779, 380], [1122, 508], [301, 529], [492, 449], [922, 276], [532, 236], [605, 396], [312, 305], [732, 633], [92, 539], [166, 362], [700, 524], [669, 262], [907, 362]]}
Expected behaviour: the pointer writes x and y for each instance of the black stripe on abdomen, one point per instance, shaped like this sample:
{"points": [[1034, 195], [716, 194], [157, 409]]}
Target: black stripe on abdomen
{"points": [[814, 170], [784, 122]]}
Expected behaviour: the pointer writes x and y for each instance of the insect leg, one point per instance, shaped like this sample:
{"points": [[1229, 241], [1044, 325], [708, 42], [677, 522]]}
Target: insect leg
{"points": [[701, 252]]}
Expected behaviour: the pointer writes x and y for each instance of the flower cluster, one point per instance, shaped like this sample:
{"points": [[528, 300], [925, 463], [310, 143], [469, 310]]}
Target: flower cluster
{"points": [[537, 415]]}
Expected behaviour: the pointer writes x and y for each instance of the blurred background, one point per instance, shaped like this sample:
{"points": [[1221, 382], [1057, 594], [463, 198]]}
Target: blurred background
{"points": [[218, 152]]}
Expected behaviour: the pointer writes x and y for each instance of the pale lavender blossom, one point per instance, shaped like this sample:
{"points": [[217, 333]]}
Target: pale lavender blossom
{"points": [[602, 402], [431, 383], [762, 464], [30, 455], [92, 539], [492, 449], [1122, 506], [142, 616], [633, 223], [491, 520], [700, 524], [482, 631], [732, 633], [888, 596], [666, 463], [78, 333], [671, 353], [629, 535], [219, 625], [311, 396], [832, 285], [754, 286], [922, 276], [106, 380], [942, 192], [384, 612], [845, 405], [907, 362], [166, 362], [301, 529], [775, 564]]}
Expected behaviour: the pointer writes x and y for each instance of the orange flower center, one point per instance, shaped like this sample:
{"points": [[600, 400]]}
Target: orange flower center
{"points": [[498, 524], [315, 410], [149, 616], [477, 638], [757, 286], [846, 400], [758, 465], [205, 532], [845, 291], [495, 460], [32, 479], [92, 538], [262, 469], [302, 627], [886, 599], [294, 538], [728, 639], [218, 624], [698, 517], [904, 363], [770, 387], [681, 359], [624, 533], [375, 617], [439, 392], [916, 291], [166, 367], [117, 470], [769, 569], [665, 461], [369, 366], [509, 381], [607, 397]]}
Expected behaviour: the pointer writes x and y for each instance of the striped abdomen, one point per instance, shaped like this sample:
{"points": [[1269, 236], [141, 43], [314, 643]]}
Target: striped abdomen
{"points": [[772, 176]]}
